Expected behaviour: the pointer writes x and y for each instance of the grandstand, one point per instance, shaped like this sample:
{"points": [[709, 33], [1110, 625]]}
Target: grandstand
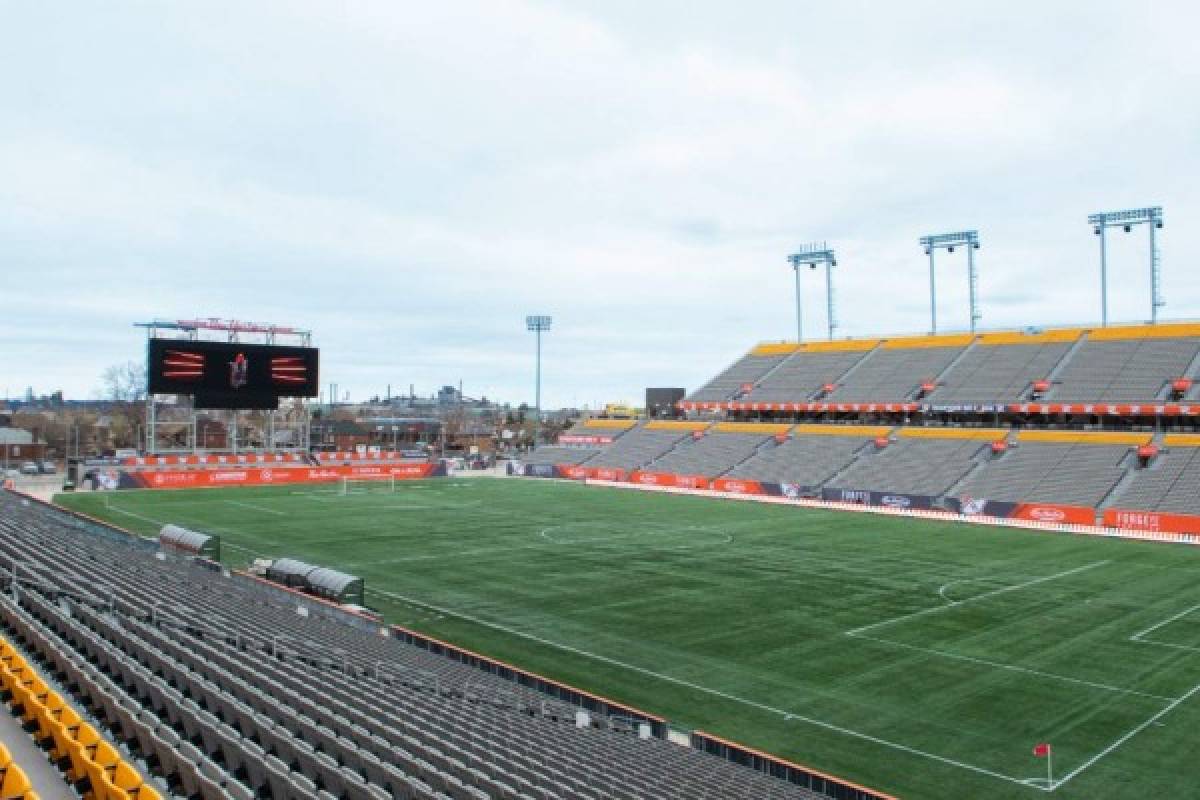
{"points": [[214, 687], [1002, 366], [1070, 422], [1138, 364], [809, 457]]}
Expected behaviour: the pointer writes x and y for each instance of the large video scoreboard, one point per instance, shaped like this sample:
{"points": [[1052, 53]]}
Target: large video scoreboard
{"points": [[231, 375]]}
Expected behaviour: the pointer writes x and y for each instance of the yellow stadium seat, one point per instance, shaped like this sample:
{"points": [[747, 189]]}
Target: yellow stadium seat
{"points": [[122, 783], [9, 657], [5, 756], [148, 792], [14, 675], [63, 729], [50, 711], [78, 748], [16, 784], [102, 763], [32, 698]]}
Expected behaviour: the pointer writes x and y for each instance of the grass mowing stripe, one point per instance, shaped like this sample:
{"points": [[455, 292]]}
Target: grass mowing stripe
{"points": [[787, 715], [763, 619]]}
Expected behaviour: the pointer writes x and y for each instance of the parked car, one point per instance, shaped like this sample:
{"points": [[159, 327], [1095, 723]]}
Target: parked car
{"points": [[29, 468], [47, 468]]}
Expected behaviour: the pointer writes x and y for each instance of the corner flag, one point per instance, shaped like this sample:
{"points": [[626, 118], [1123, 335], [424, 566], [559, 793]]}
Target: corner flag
{"points": [[1044, 750]]}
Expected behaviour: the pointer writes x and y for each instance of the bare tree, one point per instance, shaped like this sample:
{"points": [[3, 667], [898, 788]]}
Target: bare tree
{"points": [[124, 387], [124, 383]]}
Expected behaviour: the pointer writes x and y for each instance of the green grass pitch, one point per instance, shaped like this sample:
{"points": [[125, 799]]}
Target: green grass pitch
{"points": [[921, 658]]}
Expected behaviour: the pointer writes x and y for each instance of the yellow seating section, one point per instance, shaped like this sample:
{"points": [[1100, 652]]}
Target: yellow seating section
{"points": [[940, 340], [69, 736], [1085, 437], [1018, 337], [675, 425], [759, 428], [1182, 440], [1166, 330], [861, 431], [609, 424], [982, 434]]}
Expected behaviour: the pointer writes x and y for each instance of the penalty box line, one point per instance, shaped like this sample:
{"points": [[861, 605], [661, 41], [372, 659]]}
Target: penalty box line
{"points": [[787, 715], [976, 598]]}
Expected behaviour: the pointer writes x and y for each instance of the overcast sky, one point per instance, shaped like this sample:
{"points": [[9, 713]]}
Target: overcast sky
{"points": [[409, 180]]}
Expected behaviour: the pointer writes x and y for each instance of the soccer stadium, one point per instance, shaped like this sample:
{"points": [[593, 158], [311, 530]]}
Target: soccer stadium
{"points": [[892, 567], [536, 400]]}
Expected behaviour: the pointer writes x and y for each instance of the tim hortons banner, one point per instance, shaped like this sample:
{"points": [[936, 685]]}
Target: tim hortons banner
{"points": [[1160, 521], [1054, 513], [738, 486], [669, 479], [113, 478], [605, 474], [572, 471]]}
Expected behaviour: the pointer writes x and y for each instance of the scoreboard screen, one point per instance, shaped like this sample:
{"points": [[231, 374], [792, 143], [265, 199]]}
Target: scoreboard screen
{"points": [[230, 374]]}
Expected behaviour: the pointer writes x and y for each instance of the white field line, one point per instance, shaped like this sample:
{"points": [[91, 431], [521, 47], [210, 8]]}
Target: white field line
{"points": [[1126, 737], [110, 507], [1137, 636], [978, 597], [787, 715], [1015, 668], [254, 507]]}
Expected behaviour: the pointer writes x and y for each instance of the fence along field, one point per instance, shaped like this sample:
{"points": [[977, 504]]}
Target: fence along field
{"points": [[922, 658]]}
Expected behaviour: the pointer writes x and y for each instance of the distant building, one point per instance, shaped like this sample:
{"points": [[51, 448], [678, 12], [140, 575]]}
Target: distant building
{"points": [[338, 434], [19, 445]]}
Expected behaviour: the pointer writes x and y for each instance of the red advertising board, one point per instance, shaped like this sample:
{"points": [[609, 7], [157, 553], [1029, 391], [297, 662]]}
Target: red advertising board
{"points": [[605, 474], [572, 471], [738, 486], [652, 478], [1056, 514], [575, 438], [1166, 522], [669, 479], [261, 476]]}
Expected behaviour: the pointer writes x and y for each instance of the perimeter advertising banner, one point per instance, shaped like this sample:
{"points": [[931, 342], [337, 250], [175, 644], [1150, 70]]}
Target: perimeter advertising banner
{"points": [[980, 507], [1054, 513], [669, 479], [112, 478], [1160, 521], [867, 497]]}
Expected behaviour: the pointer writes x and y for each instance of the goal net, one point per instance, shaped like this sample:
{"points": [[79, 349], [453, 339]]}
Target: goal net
{"points": [[380, 485]]}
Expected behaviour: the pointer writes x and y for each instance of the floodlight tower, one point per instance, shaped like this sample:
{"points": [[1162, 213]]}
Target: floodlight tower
{"points": [[949, 241], [537, 324], [1152, 218], [812, 255]]}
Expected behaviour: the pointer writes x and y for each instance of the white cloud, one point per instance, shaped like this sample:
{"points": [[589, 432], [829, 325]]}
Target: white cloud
{"points": [[411, 180]]}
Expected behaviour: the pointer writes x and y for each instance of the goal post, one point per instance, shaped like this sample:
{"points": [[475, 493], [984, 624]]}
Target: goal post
{"points": [[381, 484]]}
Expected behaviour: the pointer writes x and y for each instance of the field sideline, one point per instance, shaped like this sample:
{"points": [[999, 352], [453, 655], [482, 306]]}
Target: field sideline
{"points": [[921, 658]]}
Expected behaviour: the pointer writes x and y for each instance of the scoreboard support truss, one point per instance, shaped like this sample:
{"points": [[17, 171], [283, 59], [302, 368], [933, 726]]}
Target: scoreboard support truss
{"points": [[196, 439]]}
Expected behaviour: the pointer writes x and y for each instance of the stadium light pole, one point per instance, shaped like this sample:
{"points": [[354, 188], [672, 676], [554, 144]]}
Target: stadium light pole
{"points": [[813, 255], [1151, 217], [949, 241], [537, 324]]}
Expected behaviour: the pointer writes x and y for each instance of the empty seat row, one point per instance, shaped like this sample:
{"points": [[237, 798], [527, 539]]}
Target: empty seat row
{"points": [[222, 690]]}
